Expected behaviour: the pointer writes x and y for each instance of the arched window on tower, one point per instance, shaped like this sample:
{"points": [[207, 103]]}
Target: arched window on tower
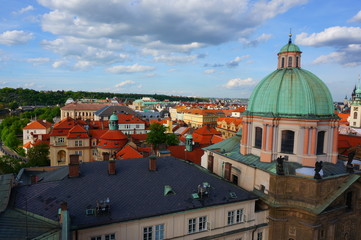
{"points": [[258, 138], [297, 60], [283, 62], [287, 143], [355, 115], [289, 61], [320, 142]]}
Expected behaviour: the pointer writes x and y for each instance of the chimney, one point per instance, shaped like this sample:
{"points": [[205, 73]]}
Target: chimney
{"points": [[74, 166], [64, 221], [111, 167], [34, 179], [227, 171], [152, 163], [106, 156]]}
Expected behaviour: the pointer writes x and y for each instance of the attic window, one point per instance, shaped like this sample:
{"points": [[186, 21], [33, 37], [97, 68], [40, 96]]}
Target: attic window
{"points": [[168, 190]]}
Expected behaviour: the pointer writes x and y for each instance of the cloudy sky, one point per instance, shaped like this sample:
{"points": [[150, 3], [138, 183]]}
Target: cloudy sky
{"points": [[207, 48]]}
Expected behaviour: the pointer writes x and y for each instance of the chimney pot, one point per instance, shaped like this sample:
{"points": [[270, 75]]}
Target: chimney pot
{"points": [[111, 167], [64, 206], [74, 166], [106, 156], [152, 163]]}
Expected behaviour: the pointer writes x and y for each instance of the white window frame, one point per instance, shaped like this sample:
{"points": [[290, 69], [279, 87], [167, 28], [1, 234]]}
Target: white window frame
{"points": [[61, 140], [259, 235], [235, 216], [78, 143], [155, 232], [110, 236], [80, 153], [198, 224]]}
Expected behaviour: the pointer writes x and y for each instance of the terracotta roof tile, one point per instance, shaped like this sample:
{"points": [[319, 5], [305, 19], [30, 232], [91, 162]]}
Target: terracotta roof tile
{"points": [[128, 152], [38, 124]]}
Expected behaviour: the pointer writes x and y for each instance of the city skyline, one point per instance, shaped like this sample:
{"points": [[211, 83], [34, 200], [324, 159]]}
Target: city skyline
{"points": [[189, 48]]}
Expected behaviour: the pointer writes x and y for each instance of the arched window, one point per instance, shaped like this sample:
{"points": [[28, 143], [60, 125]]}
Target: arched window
{"points": [[288, 138], [355, 115], [258, 138], [297, 59], [320, 142], [283, 62], [289, 61]]}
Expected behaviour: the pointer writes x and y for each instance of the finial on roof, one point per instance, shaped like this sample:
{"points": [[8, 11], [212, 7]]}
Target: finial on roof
{"points": [[290, 35]]}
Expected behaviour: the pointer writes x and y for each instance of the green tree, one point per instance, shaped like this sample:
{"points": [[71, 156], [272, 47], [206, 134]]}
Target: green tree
{"points": [[9, 165], [13, 105], [158, 136], [39, 155]]}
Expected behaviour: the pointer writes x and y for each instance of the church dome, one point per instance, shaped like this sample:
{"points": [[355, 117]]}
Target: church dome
{"points": [[113, 117], [290, 47], [291, 91]]}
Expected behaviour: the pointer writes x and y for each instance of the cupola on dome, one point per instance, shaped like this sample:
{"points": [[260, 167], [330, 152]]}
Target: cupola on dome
{"points": [[291, 91]]}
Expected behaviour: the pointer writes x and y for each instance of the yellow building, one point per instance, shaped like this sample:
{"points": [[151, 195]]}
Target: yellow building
{"points": [[199, 117]]}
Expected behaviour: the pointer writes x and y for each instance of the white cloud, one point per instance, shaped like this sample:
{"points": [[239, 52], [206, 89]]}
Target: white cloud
{"points": [[129, 69], [27, 85], [172, 60], [356, 18], [126, 82], [151, 27], [333, 36], [255, 42], [24, 10], [15, 37], [235, 62], [58, 64], [237, 83], [37, 61], [345, 40], [209, 71]]}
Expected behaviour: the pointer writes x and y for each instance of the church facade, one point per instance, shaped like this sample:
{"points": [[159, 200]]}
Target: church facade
{"points": [[286, 153]]}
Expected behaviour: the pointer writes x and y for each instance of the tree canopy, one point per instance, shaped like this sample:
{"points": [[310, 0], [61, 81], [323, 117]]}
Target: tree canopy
{"points": [[39, 155], [158, 136]]}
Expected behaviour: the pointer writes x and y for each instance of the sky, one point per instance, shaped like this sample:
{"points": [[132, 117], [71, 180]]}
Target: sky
{"points": [[209, 48]]}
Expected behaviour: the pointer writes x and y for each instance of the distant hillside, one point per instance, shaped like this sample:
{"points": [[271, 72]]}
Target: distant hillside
{"points": [[26, 97]]}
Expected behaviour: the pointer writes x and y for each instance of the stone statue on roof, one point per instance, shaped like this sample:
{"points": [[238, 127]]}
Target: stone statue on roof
{"points": [[318, 168], [279, 168]]}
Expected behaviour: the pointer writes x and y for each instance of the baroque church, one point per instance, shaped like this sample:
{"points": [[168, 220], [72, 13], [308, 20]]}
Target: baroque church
{"points": [[286, 153]]}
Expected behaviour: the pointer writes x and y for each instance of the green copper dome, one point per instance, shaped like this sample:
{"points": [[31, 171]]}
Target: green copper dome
{"points": [[290, 47], [113, 117], [291, 93]]}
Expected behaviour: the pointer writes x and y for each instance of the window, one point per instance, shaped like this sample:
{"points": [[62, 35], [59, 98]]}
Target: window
{"points": [[297, 60], [110, 236], [96, 238], [202, 224], [80, 153], [259, 235], [287, 141], [355, 115], [289, 61], [158, 231], [78, 143], [61, 140], [320, 142], [147, 233], [235, 216], [95, 152], [258, 138], [192, 225], [283, 63], [235, 179]]}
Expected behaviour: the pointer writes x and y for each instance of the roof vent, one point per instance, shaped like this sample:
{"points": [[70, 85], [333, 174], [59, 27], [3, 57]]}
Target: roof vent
{"points": [[203, 189], [168, 190], [103, 207], [233, 195]]}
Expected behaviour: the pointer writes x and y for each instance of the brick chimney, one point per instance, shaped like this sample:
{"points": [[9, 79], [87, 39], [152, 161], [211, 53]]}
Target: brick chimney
{"points": [[111, 167], [34, 179], [106, 156], [74, 166], [152, 163]]}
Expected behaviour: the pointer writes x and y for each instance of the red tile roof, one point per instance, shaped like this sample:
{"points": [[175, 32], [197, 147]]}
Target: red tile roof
{"points": [[128, 118], [78, 132], [113, 139], [38, 124], [128, 152], [193, 156]]}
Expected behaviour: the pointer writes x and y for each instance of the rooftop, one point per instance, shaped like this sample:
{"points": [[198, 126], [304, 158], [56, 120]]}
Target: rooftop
{"points": [[134, 192]]}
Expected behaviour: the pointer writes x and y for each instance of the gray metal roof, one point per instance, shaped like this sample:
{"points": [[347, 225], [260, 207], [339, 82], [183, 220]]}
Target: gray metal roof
{"points": [[108, 110], [6, 182], [134, 192]]}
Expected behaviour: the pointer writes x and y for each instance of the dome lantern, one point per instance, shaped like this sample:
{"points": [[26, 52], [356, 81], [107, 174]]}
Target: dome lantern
{"points": [[289, 55]]}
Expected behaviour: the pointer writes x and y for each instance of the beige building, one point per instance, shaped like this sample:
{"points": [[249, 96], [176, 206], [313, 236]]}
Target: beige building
{"points": [[84, 111], [173, 199], [199, 117]]}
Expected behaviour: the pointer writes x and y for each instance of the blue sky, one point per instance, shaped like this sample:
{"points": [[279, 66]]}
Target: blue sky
{"points": [[210, 48]]}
